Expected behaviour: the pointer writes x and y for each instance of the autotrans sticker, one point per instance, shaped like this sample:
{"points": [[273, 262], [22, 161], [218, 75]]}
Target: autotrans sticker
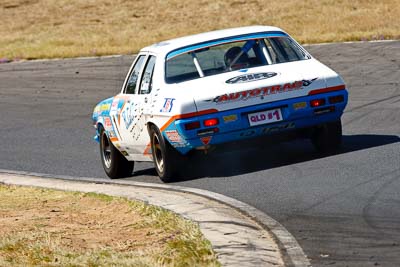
{"points": [[251, 77], [261, 92]]}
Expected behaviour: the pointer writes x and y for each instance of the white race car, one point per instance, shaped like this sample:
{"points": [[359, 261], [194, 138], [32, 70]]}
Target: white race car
{"points": [[199, 91]]}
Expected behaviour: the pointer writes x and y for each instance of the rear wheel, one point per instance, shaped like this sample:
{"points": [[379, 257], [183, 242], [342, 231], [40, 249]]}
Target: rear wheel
{"points": [[165, 157], [328, 137], [114, 163]]}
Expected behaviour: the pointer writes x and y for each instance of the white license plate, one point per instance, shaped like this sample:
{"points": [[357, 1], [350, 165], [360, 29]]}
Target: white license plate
{"points": [[264, 117]]}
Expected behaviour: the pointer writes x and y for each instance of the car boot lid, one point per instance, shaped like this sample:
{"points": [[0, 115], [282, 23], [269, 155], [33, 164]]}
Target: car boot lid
{"points": [[259, 85]]}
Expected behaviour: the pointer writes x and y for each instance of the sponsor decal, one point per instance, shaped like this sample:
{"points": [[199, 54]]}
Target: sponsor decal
{"points": [[104, 107], [179, 145], [230, 118], [128, 114], [308, 82], [107, 123], [299, 105], [206, 140], [261, 92], [268, 130], [168, 104], [251, 77], [116, 127], [175, 139], [114, 105], [247, 133], [277, 128], [173, 136]]}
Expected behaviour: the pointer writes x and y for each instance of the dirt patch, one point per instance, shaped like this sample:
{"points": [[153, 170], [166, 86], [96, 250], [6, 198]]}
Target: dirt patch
{"points": [[80, 222], [68, 28], [40, 226]]}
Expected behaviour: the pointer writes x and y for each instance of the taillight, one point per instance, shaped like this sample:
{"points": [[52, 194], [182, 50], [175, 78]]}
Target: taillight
{"points": [[317, 102], [336, 99], [192, 125], [210, 122]]}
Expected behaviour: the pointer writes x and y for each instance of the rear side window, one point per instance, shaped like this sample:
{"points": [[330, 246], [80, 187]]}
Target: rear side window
{"points": [[147, 81], [283, 49], [181, 69], [133, 78]]}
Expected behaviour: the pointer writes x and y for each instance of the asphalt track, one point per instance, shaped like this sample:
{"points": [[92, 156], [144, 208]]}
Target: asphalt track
{"points": [[344, 209]]}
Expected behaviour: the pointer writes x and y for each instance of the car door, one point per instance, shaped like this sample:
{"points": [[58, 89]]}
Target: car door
{"points": [[134, 114]]}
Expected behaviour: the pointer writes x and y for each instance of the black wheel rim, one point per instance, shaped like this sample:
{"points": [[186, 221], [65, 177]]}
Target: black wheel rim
{"points": [[157, 153], [106, 150]]}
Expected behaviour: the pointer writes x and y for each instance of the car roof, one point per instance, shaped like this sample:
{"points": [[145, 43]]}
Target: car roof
{"points": [[165, 47]]}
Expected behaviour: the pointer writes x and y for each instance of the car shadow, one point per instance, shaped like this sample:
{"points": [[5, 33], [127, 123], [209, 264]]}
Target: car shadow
{"points": [[252, 156], [243, 160]]}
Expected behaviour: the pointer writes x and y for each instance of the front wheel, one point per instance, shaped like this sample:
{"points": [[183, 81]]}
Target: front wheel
{"points": [[164, 156], [114, 163], [328, 137]]}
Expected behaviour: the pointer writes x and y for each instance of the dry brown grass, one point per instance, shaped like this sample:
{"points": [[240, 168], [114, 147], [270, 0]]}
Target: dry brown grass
{"points": [[40, 227], [68, 28]]}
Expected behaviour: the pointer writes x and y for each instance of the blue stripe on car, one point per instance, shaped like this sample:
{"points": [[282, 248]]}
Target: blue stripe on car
{"points": [[187, 49]]}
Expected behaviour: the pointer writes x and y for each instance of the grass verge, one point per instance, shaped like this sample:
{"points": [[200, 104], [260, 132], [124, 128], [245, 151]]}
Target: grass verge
{"points": [[69, 28], [41, 227]]}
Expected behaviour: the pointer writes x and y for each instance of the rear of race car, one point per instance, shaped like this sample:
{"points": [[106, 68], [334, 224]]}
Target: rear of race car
{"points": [[217, 88], [252, 101]]}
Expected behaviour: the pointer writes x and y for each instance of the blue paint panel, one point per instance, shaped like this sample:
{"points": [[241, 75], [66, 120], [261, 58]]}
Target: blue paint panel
{"points": [[240, 128], [224, 40], [101, 113]]}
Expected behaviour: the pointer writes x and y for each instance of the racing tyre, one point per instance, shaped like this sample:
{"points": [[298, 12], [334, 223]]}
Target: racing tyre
{"points": [[165, 157], [114, 163], [327, 138]]}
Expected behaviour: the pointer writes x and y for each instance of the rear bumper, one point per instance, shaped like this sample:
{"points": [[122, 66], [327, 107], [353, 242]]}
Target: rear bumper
{"points": [[234, 124]]}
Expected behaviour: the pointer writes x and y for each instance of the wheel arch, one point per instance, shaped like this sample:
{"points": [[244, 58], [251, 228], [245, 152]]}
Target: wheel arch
{"points": [[99, 126], [149, 125]]}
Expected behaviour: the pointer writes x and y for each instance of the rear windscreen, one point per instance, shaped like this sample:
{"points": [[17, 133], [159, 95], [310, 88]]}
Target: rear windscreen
{"points": [[229, 56]]}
